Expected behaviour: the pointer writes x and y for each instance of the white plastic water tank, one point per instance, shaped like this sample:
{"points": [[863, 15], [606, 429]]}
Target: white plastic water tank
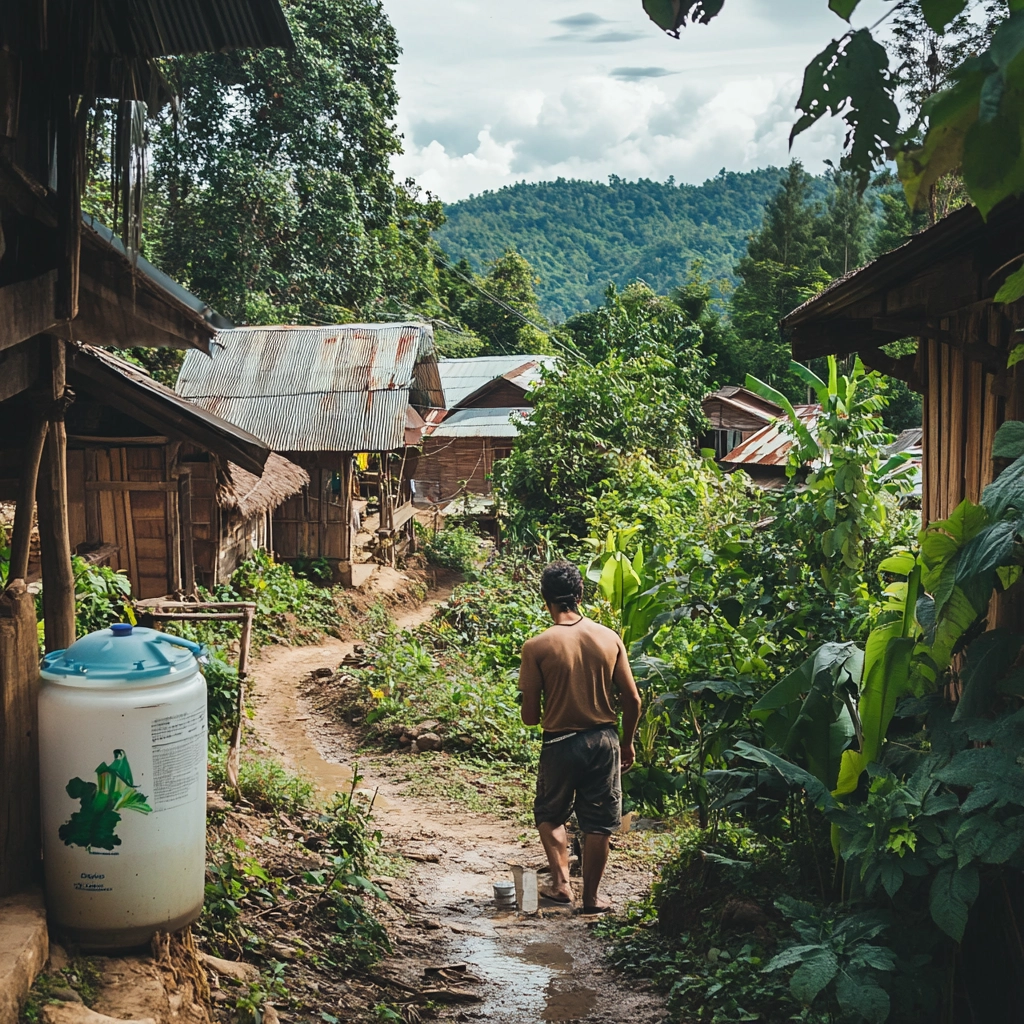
{"points": [[122, 751]]}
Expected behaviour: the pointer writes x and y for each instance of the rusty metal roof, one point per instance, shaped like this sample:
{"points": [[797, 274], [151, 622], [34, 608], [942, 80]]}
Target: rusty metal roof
{"points": [[770, 445], [345, 388]]}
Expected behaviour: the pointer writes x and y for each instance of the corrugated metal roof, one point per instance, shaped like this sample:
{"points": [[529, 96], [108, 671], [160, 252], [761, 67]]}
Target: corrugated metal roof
{"points": [[908, 440], [462, 377], [218, 434], [312, 389], [160, 28], [481, 423], [770, 445]]}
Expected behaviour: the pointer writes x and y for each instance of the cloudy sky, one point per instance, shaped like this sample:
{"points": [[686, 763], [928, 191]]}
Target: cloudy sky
{"points": [[494, 92]]}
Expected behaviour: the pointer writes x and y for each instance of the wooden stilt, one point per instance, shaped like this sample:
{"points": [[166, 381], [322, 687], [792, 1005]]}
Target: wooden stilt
{"points": [[52, 497], [21, 542]]}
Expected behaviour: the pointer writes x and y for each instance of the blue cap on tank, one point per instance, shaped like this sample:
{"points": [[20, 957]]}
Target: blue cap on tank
{"points": [[140, 654]]}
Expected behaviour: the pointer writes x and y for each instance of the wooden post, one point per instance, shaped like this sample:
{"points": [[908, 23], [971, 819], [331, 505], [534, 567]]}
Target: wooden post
{"points": [[21, 542], [234, 759], [345, 563], [52, 497], [19, 741], [188, 560]]}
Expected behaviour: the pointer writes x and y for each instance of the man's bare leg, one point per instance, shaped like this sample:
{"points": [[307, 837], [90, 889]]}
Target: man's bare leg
{"points": [[595, 857], [556, 846]]}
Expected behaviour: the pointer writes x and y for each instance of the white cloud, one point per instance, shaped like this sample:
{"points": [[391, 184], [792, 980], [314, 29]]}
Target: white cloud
{"points": [[489, 99]]}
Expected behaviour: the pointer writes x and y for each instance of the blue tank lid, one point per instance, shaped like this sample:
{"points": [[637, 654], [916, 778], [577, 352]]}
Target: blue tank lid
{"points": [[123, 653]]}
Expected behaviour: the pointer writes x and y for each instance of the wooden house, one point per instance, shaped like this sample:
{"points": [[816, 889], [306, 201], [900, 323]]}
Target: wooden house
{"points": [[484, 398], [764, 455], [937, 289], [734, 414], [61, 280], [320, 396]]}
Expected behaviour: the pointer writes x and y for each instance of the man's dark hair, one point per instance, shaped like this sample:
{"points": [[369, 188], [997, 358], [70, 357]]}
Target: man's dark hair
{"points": [[561, 585]]}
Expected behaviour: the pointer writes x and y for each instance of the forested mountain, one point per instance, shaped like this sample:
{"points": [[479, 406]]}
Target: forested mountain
{"points": [[580, 236]]}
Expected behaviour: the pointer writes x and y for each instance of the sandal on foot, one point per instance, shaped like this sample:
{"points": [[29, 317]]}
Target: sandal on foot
{"points": [[555, 898], [598, 910]]}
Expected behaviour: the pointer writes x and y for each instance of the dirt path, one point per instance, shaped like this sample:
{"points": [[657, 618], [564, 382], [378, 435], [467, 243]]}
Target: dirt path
{"points": [[545, 967]]}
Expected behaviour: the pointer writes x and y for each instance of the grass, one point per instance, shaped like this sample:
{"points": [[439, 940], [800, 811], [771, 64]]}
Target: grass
{"points": [[263, 781], [484, 787]]}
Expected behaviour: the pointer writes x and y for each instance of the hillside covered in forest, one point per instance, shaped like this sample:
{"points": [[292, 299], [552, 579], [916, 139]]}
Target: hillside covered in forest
{"points": [[580, 236]]}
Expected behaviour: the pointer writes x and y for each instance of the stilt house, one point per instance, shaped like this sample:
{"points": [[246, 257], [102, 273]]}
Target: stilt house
{"points": [[484, 398], [60, 281], [320, 396]]}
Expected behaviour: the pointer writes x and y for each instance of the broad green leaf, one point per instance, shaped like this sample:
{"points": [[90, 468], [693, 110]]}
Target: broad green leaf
{"points": [[991, 164], [1009, 442], [1006, 491], [1016, 353], [792, 773], [813, 974], [663, 13], [901, 564], [850, 78], [811, 379], [988, 549], [939, 13], [844, 8], [862, 999], [953, 892], [989, 658]]}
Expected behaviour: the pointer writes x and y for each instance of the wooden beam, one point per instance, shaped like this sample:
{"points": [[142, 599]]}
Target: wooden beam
{"points": [[903, 368], [909, 327], [52, 498], [27, 308], [130, 485], [150, 440], [19, 368], [188, 558]]}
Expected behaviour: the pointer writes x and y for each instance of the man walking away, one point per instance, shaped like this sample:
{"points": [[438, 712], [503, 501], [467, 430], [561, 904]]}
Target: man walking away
{"points": [[575, 668]]}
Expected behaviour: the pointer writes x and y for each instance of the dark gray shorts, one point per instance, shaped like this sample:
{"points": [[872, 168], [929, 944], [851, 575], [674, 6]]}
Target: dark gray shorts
{"points": [[581, 769]]}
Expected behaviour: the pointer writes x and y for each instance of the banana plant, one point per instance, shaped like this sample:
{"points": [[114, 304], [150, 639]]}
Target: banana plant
{"points": [[626, 583]]}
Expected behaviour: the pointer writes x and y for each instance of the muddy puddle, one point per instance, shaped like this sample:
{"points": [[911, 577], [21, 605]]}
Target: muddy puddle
{"points": [[532, 981]]}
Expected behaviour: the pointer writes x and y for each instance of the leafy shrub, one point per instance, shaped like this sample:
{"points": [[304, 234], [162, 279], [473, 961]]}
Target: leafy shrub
{"points": [[263, 781], [221, 691], [453, 547], [102, 596]]}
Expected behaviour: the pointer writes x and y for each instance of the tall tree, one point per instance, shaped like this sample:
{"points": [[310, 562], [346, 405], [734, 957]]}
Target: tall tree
{"points": [[845, 225], [782, 268], [277, 199], [503, 309]]}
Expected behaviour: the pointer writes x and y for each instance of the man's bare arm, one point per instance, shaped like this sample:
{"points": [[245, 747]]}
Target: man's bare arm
{"points": [[529, 687], [631, 707]]}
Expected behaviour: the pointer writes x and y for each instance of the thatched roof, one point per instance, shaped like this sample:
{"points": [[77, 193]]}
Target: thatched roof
{"points": [[249, 495]]}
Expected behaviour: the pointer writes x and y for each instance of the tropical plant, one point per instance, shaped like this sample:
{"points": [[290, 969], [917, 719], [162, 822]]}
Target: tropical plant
{"points": [[102, 596], [847, 479]]}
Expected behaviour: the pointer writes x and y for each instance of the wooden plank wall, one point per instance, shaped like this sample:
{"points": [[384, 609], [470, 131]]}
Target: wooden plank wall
{"points": [[964, 405], [312, 524], [134, 522], [205, 515]]}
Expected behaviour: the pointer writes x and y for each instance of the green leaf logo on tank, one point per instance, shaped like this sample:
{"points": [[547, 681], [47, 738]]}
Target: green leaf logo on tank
{"points": [[113, 791]]}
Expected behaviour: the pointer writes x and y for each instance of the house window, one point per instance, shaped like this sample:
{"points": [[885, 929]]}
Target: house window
{"points": [[725, 441]]}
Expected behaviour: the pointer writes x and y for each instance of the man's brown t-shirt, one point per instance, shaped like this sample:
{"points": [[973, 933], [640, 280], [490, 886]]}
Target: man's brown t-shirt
{"points": [[578, 668]]}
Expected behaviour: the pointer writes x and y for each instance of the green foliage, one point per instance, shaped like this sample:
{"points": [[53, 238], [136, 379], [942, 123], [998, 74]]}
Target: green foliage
{"points": [[453, 547], [221, 691], [102, 596], [272, 193], [642, 399], [503, 310], [582, 236], [836, 953], [262, 781]]}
